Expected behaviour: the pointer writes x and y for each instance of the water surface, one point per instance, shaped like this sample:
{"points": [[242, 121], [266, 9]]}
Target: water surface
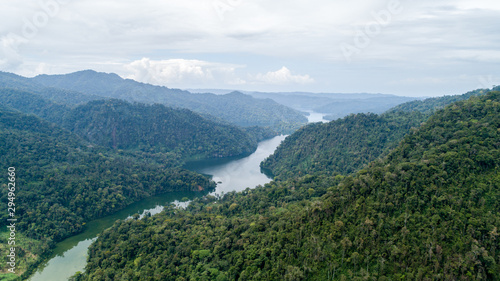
{"points": [[70, 255]]}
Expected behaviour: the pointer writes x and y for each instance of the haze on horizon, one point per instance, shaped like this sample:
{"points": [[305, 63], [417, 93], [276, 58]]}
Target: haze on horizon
{"points": [[402, 47]]}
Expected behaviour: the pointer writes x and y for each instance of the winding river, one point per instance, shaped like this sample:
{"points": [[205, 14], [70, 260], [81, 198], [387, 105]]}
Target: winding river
{"points": [[232, 175]]}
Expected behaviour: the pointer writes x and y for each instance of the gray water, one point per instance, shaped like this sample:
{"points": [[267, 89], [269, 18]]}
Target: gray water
{"points": [[316, 117], [70, 255]]}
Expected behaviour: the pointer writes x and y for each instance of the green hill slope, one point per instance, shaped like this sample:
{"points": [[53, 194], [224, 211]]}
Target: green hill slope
{"points": [[428, 211], [236, 108], [150, 128], [63, 182], [345, 145], [119, 124]]}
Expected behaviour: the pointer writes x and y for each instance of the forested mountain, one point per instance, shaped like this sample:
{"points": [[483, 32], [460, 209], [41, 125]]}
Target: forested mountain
{"points": [[236, 108], [156, 128], [75, 163], [345, 145], [151, 128], [427, 211], [335, 104], [340, 147], [64, 182], [10, 81], [31, 103], [432, 104]]}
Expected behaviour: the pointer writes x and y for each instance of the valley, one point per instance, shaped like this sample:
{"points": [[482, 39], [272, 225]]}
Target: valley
{"points": [[99, 169]]}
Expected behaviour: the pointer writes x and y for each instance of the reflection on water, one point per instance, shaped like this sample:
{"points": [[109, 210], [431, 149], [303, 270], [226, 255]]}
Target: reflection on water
{"points": [[238, 174], [70, 255], [316, 117]]}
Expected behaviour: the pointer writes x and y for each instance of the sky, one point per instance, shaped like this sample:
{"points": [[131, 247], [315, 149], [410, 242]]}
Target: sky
{"points": [[401, 47]]}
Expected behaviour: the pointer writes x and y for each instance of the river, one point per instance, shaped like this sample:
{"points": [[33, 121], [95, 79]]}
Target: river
{"points": [[316, 117], [232, 175]]}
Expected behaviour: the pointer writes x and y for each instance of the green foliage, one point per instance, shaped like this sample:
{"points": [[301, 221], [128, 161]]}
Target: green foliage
{"points": [[15, 82], [235, 108], [342, 146], [156, 128], [28, 252], [65, 182], [346, 145], [150, 128], [427, 211], [430, 105]]}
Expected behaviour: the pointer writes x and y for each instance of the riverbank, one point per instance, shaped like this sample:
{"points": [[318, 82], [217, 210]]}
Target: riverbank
{"points": [[69, 256]]}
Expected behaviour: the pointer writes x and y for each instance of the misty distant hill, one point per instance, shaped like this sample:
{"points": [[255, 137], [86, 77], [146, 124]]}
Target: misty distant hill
{"points": [[335, 105], [236, 108]]}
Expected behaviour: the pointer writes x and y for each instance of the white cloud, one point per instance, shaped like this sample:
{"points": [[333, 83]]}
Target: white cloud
{"points": [[282, 77], [10, 59], [182, 72], [190, 46]]}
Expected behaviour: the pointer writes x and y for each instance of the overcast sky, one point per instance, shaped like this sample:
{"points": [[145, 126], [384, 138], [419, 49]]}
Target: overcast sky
{"points": [[402, 47]]}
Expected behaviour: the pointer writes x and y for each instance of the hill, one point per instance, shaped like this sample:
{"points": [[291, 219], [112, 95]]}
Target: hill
{"points": [[63, 181], [428, 211], [10, 81], [150, 128], [345, 145], [236, 108], [119, 124], [340, 147]]}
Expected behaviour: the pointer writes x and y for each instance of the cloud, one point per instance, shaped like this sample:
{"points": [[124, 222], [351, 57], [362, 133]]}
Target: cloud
{"points": [[283, 76], [10, 59], [182, 72]]}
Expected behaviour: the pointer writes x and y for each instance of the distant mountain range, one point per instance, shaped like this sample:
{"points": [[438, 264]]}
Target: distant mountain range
{"points": [[84, 86], [335, 105], [235, 108]]}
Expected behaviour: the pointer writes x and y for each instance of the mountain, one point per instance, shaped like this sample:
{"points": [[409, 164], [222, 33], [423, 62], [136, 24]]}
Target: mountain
{"points": [[63, 181], [119, 124], [427, 211], [152, 128], [345, 145], [10, 81], [341, 108], [340, 147], [236, 108], [334, 104], [430, 105]]}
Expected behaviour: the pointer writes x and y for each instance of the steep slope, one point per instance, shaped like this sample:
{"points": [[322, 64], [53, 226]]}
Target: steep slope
{"points": [[119, 124], [432, 104], [345, 145], [63, 182], [10, 81], [428, 211], [235, 108], [340, 147], [151, 128]]}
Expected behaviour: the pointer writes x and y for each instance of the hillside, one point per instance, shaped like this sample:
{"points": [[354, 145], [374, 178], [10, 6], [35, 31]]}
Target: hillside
{"points": [[340, 147], [118, 124], [10, 81], [150, 128], [430, 105], [236, 108], [428, 211], [345, 145], [63, 181]]}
